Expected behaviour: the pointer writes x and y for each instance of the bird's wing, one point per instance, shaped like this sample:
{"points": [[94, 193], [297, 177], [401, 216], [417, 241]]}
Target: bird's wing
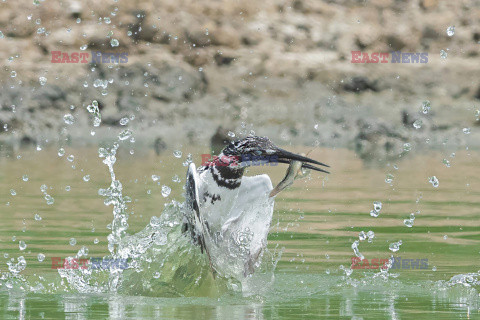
{"points": [[192, 213], [251, 216], [194, 220]]}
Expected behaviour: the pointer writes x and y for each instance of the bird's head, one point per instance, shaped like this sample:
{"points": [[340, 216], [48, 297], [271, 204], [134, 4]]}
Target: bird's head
{"points": [[254, 149]]}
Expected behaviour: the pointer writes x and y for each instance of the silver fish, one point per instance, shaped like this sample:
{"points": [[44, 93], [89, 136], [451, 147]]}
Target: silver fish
{"points": [[294, 172]]}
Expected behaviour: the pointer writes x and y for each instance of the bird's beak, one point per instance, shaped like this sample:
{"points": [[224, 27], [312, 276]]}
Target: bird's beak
{"points": [[285, 156]]}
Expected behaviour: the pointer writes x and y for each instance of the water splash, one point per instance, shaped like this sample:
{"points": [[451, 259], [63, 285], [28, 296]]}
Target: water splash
{"points": [[434, 181], [162, 261], [95, 111], [395, 246], [451, 31], [377, 207], [409, 222]]}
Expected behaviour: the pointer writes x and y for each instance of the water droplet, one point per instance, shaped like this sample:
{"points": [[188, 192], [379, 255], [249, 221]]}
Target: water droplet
{"points": [[434, 268], [114, 43], [451, 31], [445, 237], [67, 188], [37, 217], [446, 163], [125, 134], [188, 160], [70, 158], [42, 80], [370, 235], [407, 147], [156, 275], [443, 54], [73, 241], [25, 178], [107, 20], [61, 152], [1, 35], [84, 47], [426, 106], [69, 119], [124, 121], [83, 252], [356, 251], [94, 109], [43, 188], [96, 241], [22, 245], [13, 74], [176, 179], [409, 222], [177, 153], [377, 206], [418, 124], [389, 178], [231, 134], [155, 177], [166, 191], [86, 178], [41, 257], [374, 213], [466, 130], [434, 181], [395, 246], [13, 192], [50, 200], [362, 236]]}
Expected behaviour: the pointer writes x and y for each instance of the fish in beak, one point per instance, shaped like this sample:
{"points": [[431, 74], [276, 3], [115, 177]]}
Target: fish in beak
{"points": [[285, 156], [294, 170]]}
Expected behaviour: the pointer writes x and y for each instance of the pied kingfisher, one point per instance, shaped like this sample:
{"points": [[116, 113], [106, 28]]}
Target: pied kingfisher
{"points": [[228, 214]]}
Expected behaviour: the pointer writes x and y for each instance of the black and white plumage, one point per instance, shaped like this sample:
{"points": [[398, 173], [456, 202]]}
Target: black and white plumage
{"points": [[228, 214]]}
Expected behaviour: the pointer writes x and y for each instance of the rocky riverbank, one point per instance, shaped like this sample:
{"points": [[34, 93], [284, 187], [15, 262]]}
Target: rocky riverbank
{"points": [[276, 68]]}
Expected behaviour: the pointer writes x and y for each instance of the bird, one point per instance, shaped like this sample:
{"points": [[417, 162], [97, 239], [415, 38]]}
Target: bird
{"points": [[228, 214]]}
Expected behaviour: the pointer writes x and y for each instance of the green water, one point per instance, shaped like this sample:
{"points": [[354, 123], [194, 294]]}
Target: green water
{"points": [[315, 223]]}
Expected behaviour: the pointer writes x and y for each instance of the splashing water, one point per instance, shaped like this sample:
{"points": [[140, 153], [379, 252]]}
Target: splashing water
{"points": [[434, 181], [95, 111], [389, 178], [162, 261], [395, 246], [418, 124], [426, 106], [356, 251], [451, 31], [409, 222], [377, 206]]}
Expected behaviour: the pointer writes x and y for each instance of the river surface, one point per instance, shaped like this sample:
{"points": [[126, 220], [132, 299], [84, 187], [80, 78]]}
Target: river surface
{"points": [[314, 225]]}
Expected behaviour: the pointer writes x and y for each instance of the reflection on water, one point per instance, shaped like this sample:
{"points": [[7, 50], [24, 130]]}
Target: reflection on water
{"points": [[315, 222], [317, 297]]}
